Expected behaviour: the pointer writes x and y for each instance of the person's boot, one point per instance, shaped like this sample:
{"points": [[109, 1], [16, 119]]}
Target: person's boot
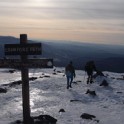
{"points": [[87, 81], [91, 81], [67, 87]]}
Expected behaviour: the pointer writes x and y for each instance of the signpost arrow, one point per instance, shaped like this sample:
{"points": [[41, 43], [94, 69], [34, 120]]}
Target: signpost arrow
{"points": [[30, 63]]}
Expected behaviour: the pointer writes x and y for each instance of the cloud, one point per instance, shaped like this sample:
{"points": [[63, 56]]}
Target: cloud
{"points": [[64, 9], [63, 15]]}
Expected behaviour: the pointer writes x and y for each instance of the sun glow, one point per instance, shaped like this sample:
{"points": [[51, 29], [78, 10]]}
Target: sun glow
{"points": [[40, 3]]}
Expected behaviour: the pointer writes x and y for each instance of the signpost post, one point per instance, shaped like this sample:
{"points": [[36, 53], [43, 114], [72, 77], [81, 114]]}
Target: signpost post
{"points": [[25, 85], [24, 49]]}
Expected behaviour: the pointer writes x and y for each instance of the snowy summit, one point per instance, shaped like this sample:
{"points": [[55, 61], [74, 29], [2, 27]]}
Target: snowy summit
{"points": [[50, 96]]}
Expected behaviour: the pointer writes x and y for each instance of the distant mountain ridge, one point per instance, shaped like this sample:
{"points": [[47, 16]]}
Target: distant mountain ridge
{"points": [[106, 57]]}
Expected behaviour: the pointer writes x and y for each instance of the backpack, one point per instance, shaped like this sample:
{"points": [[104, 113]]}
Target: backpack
{"points": [[70, 70], [89, 66]]}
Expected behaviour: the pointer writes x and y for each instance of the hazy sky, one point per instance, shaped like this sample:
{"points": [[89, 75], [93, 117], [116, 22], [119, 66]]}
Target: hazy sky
{"points": [[78, 20]]}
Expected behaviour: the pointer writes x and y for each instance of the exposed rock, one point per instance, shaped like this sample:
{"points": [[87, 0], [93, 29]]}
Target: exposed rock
{"points": [[47, 76], [12, 71], [120, 78], [75, 100], [87, 116], [93, 93], [3, 90], [78, 81], [104, 83], [32, 78], [59, 72], [44, 119], [119, 92], [41, 77], [15, 83], [54, 73], [12, 84], [62, 110]]}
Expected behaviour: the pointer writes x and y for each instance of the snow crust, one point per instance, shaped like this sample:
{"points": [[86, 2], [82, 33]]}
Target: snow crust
{"points": [[49, 94]]}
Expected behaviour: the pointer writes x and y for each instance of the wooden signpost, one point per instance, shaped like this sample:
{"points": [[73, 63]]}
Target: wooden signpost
{"points": [[24, 49]]}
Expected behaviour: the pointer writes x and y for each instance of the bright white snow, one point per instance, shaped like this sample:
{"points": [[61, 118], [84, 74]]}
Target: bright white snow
{"points": [[49, 94]]}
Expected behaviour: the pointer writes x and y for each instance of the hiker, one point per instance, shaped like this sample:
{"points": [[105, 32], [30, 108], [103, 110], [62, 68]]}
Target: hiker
{"points": [[89, 68], [70, 74]]}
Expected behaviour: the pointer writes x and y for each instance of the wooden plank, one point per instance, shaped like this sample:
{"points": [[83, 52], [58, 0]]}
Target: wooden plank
{"points": [[29, 63]]}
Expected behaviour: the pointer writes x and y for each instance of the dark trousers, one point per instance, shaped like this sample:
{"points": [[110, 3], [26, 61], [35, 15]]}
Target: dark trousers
{"points": [[90, 77], [69, 81]]}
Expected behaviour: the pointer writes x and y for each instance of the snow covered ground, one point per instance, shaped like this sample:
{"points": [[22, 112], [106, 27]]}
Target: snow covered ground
{"points": [[49, 94]]}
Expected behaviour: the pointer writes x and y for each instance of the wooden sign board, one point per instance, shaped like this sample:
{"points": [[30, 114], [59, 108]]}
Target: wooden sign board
{"points": [[23, 49], [30, 63]]}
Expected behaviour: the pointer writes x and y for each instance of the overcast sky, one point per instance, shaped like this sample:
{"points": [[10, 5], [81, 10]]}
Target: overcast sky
{"points": [[99, 21]]}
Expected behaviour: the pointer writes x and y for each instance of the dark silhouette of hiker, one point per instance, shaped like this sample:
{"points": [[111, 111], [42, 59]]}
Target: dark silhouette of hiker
{"points": [[89, 68], [70, 74]]}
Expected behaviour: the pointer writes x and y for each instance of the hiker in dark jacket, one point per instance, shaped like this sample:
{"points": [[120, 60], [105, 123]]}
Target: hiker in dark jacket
{"points": [[89, 68], [70, 74]]}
